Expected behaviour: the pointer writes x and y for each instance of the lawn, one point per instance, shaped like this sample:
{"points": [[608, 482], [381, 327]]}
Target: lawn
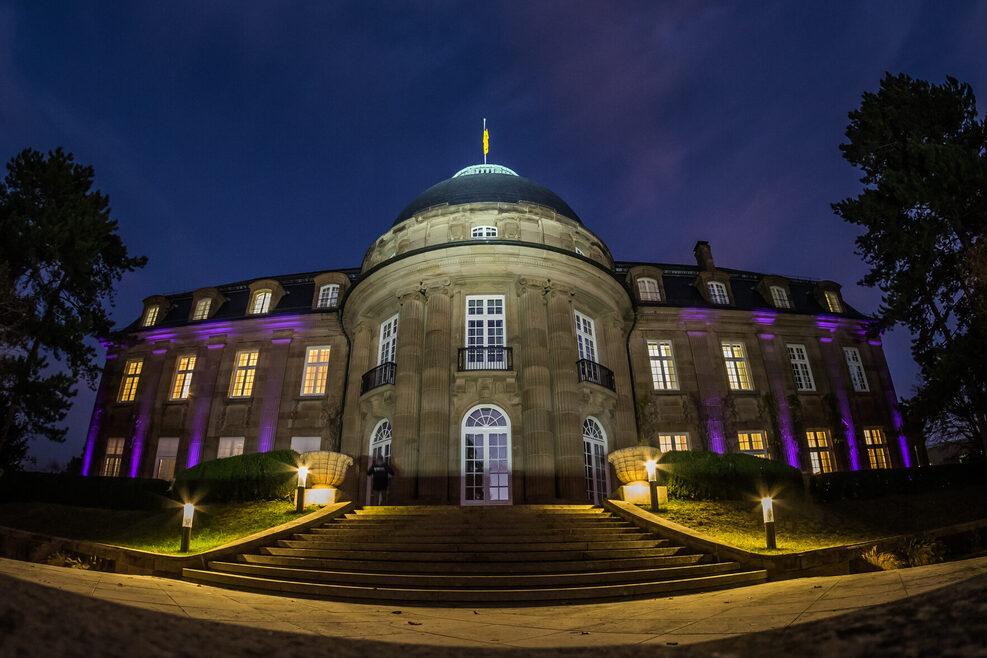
{"points": [[804, 525], [158, 531]]}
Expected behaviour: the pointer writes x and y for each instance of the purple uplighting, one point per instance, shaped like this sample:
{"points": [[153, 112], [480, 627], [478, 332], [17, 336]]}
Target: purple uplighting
{"points": [[765, 317], [91, 436]]}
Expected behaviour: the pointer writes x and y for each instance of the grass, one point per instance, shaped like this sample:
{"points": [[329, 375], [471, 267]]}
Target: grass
{"points": [[804, 525], [157, 531]]}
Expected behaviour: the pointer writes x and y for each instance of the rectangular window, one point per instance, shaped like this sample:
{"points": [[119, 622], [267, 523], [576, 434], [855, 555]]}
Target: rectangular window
{"points": [[832, 302], [800, 368], [718, 292], [202, 309], [485, 329], [184, 368], [388, 341], [261, 302], [316, 371], [164, 462], [856, 367], [114, 458], [663, 375], [877, 448], [131, 377], [328, 296], [229, 446], [669, 442], [244, 371], [753, 443], [150, 316], [820, 457], [302, 444], [585, 337], [648, 290], [738, 372], [780, 297]]}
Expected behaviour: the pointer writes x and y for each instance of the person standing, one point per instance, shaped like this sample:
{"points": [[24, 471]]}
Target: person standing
{"points": [[380, 473]]}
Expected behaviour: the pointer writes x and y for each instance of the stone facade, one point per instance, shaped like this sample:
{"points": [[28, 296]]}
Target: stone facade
{"points": [[523, 353]]}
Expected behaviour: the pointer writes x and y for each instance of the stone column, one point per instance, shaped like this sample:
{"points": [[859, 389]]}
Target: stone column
{"points": [[570, 482], [707, 356], [625, 432], [152, 373], [536, 393], [407, 393], [204, 387], [273, 385], [848, 457], [777, 375], [434, 447]]}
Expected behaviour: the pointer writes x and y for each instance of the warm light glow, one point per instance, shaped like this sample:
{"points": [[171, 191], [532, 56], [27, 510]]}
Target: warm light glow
{"points": [[652, 467], [767, 506], [187, 516], [302, 474], [322, 496]]}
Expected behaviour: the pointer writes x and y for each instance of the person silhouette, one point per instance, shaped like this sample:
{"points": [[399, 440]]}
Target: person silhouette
{"points": [[380, 473]]}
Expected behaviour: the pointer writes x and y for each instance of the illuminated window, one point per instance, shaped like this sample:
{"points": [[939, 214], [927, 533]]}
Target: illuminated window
{"points": [[877, 448], [780, 297], [114, 458], [328, 295], [800, 368], [718, 292], [648, 290], [832, 302], [131, 376], [585, 337], [261, 303], [202, 309], [663, 375], [820, 457], [752, 443], [164, 462], [856, 367], [183, 377], [388, 341], [738, 373], [244, 370], [483, 232], [229, 446], [669, 442], [316, 370], [151, 315], [485, 329]]}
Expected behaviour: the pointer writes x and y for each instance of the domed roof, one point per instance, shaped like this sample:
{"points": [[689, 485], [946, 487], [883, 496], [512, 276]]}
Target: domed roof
{"points": [[491, 183]]}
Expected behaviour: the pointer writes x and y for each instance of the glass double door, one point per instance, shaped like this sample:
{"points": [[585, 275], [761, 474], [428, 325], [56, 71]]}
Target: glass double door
{"points": [[486, 475]]}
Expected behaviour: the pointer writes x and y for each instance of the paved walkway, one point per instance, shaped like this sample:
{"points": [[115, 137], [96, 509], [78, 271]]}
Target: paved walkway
{"points": [[672, 621]]}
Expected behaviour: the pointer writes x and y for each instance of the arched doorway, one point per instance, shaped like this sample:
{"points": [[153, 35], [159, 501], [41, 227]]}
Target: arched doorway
{"points": [[380, 445], [486, 457], [595, 460]]}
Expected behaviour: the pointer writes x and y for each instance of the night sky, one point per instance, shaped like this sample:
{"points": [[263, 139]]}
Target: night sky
{"points": [[242, 139]]}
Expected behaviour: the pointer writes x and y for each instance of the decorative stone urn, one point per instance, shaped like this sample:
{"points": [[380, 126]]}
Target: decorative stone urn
{"points": [[326, 471], [629, 462]]}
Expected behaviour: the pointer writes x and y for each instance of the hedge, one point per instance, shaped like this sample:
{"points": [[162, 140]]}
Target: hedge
{"points": [[851, 485], [257, 476], [701, 475], [102, 492]]}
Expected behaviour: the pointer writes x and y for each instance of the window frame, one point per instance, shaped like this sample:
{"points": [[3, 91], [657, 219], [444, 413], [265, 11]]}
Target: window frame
{"points": [[780, 297], [801, 368], [817, 465], [750, 436], [182, 377], [249, 370], [328, 296], [878, 455], [833, 304], [202, 312], [644, 289], [114, 458], [237, 444], [130, 381], [151, 314], [387, 341], [586, 346], [483, 232], [260, 301], [855, 366], [676, 441], [319, 370], [665, 370], [172, 454], [715, 288], [737, 367]]}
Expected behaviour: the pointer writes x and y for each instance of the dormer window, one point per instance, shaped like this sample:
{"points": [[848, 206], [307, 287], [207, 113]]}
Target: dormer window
{"points": [[648, 290], [483, 232], [718, 292], [832, 302], [328, 296], [780, 297], [261, 303], [150, 315], [202, 309]]}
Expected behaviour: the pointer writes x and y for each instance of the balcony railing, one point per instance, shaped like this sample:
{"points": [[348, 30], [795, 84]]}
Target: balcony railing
{"points": [[486, 358], [379, 376], [591, 371]]}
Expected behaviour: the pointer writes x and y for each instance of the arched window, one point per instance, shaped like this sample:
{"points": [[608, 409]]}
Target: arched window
{"points": [[261, 303], [486, 462], [380, 441], [595, 460], [328, 295], [718, 293], [481, 232], [648, 290]]}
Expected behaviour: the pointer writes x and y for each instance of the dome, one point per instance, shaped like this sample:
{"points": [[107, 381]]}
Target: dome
{"points": [[486, 183]]}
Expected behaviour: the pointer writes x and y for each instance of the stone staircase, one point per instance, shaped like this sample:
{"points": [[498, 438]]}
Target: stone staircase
{"points": [[474, 555]]}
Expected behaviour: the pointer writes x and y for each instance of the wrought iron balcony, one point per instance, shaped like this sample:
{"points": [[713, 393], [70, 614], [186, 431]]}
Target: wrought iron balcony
{"points": [[379, 376], [591, 371], [486, 358]]}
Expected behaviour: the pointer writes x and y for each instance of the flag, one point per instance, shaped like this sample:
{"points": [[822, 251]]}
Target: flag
{"points": [[486, 142]]}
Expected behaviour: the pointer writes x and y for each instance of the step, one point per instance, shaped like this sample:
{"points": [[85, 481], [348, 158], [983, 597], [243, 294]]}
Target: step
{"points": [[475, 595], [472, 556], [478, 524], [455, 544], [498, 537]]}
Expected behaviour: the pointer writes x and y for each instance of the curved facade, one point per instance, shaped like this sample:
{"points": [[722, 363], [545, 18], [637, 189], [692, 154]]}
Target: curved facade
{"points": [[490, 347]]}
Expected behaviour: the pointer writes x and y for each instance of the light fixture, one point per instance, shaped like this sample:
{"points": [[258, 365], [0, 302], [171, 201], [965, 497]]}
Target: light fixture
{"points": [[187, 511], [652, 467], [300, 493], [767, 507]]}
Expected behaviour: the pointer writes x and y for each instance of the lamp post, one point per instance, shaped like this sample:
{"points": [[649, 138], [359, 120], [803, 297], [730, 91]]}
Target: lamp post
{"points": [[300, 496], [652, 467], [188, 511], [767, 506]]}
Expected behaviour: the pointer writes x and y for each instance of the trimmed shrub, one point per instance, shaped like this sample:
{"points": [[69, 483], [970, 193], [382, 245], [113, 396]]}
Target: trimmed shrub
{"points": [[102, 492], [851, 485], [257, 476], [701, 475]]}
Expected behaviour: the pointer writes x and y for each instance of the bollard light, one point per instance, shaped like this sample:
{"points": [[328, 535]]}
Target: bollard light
{"points": [[300, 494], [767, 507], [652, 467], [188, 511]]}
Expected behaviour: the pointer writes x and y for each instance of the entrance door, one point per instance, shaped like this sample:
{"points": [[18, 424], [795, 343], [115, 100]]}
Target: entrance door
{"points": [[380, 446], [486, 463], [595, 459]]}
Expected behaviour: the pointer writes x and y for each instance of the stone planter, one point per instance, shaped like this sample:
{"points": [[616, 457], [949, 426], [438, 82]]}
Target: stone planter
{"points": [[325, 469], [629, 462]]}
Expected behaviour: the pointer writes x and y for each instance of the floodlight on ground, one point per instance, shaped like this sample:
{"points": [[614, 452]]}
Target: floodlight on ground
{"points": [[652, 467], [768, 508], [188, 510], [300, 494]]}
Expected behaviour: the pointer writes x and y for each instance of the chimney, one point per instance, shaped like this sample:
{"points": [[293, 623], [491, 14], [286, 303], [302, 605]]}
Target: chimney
{"points": [[704, 256]]}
